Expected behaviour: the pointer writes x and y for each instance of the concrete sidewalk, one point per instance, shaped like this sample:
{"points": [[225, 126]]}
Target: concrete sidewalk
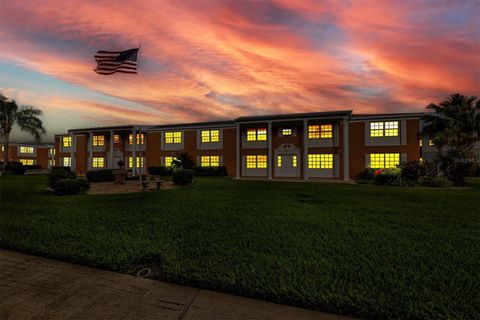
{"points": [[38, 288]]}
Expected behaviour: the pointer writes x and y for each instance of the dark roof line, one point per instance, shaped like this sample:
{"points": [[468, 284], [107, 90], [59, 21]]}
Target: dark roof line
{"points": [[338, 113], [195, 124], [128, 126]]}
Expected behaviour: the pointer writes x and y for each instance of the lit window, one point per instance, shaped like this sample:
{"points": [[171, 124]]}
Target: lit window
{"points": [[320, 161], [173, 137], [116, 138], [98, 162], [384, 160], [3, 148], [28, 150], [279, 161], [67, 161], [430, 143], [27, 162], [294, 161], [210, 161], [51, 151], [210, 135], [376, 129], [286, 132], [98, 141], [169, 161], [139, 162], [67, 141], [140, 138], [314, 132], [51, 162], [420, 143], [387, 129], [259, 162], [258, 134], [326, 131], [391, 129]]}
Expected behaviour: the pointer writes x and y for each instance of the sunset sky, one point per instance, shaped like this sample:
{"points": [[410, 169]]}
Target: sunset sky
{"points": [[209, 60]]}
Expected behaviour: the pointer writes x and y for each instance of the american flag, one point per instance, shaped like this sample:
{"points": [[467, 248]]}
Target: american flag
{"points": [[110, 62]]}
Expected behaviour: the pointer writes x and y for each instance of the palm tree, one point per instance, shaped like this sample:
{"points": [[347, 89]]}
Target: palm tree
{"points": [[25, 117], [454, 123], [183, 160]]}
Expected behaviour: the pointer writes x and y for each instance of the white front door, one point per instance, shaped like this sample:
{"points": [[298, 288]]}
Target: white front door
{"points": [[287, 165]]}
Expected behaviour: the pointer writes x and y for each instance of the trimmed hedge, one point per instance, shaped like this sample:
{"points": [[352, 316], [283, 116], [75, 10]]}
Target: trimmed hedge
{"points": [[65, 187], [390, 177], [210, 171], [60, 173], [183, 177], [160, 171], [17, 168], [103, 175]]}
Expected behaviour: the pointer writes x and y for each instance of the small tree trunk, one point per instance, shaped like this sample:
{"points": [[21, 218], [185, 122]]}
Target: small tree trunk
{"points": [[6, 154]]}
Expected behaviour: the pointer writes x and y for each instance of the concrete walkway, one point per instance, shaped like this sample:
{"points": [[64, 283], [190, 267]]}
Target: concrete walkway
{"points": [[38, 288]]}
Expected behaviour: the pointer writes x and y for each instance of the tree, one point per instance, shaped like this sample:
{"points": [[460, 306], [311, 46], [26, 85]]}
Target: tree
{"points": [[25, 117], [183, 160], [454, 127]]}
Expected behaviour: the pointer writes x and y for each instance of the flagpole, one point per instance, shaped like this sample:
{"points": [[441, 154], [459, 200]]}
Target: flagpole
{"points": [[142, 138]]}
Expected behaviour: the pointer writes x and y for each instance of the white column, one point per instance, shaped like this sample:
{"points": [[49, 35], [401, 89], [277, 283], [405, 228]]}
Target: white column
{"points": [[305, 150], [134, 153], [90, 153], [269, 156], [72, 153], [346, 149], [238, 156], [111, 164]]}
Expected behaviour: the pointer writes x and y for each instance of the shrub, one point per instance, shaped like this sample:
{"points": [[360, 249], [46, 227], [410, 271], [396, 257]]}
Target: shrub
{"points": [[60, 173], [474, 170], [100, 175], [435, 182], [366, 174], [411, 170], [15, 168], [160, 171], [390, 177], [60, 168], [183, 177], [70, 186], [183, 160], [210, 171]]}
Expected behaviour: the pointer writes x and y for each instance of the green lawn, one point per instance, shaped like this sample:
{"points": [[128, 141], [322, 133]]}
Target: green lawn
{"points": [[375, 252]]}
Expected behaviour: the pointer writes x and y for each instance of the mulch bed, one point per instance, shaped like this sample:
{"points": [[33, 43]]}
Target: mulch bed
{"points": [[128, 187]]}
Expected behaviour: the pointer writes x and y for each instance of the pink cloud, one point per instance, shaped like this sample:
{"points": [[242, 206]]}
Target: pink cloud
{"points": [[222, 59]]}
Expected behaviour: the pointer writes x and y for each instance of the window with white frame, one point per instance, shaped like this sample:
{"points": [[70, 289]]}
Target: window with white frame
{"points": [[256, 161], [384, 129], [210, 136], [210, 161], [26, 150], [98, 141], [27, 162], [139, 162], [173, 137], [257, 134], [67, 141], [140, 138], [384, 160], [67, 161], [98, 162], [320, 161]]}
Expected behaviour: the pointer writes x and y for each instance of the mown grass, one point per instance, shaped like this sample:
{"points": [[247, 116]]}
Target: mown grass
{"points": [[375, 252]]}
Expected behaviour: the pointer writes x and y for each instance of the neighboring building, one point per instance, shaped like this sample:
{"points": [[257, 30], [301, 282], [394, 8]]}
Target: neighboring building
{"points": [[308, 146], [101, 148], [42, 154]]}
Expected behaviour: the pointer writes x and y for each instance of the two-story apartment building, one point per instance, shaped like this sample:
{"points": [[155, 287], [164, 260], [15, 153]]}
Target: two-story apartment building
{"points": [[42, 154], [99, 148], [308, 146]]}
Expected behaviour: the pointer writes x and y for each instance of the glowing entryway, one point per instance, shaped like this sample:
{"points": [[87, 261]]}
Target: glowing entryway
{"points": [[287, 161]]}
